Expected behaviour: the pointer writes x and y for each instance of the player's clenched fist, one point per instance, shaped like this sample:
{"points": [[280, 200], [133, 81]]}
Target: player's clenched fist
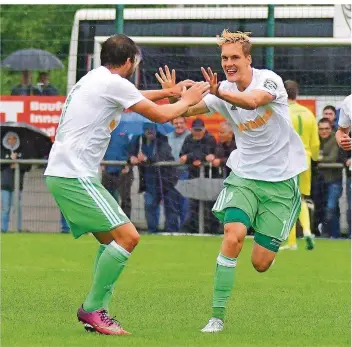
{"points": [[196, 93]]}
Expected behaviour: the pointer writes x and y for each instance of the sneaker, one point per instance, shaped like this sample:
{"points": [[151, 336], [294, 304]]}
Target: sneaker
{"points": [[291, 248], [214, 325], [310, 243], [100, 321]]}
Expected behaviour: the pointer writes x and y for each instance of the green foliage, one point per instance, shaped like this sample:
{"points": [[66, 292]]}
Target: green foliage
{"points": [[46, 27], [164, 295]]}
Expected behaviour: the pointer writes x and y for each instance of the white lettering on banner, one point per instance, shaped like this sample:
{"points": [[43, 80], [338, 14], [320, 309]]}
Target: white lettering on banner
{"points": [[49, 131], [44, 118], [11, 109], [46, 106]]}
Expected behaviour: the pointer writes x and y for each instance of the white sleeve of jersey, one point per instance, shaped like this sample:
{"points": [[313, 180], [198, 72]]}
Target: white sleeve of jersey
{"points": [[345, 113], [272, 83], [123, 92]]}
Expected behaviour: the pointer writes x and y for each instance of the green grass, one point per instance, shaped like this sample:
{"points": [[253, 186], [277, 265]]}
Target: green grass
{"points": [[164, 295]]}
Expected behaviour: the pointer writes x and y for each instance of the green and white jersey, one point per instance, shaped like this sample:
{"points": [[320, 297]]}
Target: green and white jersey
{"points": [[345, 113], [91, 111], [268, 147]]}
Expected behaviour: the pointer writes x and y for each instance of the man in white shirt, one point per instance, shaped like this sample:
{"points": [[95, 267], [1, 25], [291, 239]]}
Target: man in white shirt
{"points": [[342, 134], [261, 191], [91, 111]]}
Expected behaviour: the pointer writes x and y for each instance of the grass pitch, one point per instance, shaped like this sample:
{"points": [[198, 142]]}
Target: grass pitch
{"points": [[164, 295]]}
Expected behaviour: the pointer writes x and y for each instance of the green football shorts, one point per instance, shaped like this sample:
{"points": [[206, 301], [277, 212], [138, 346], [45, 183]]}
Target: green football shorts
{"points": [[86, 205], [272, 207]]}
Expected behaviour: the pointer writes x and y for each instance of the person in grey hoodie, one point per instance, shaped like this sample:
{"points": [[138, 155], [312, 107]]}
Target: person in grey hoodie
{"points": [[176, 140], [11, 149]]}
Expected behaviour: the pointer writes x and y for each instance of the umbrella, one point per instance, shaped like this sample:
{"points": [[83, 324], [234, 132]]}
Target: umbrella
{"points": [[34, 140], [206, 189], [132, 123], [32, 59]]}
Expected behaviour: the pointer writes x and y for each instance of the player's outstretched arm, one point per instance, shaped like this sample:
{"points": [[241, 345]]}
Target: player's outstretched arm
{"points": [[165, 113], [343, 139], [247, 101]]}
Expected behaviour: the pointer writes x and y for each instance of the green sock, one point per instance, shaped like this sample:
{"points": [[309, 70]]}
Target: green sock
{"points": [[223, 283], [108, 295], [107, 270]]}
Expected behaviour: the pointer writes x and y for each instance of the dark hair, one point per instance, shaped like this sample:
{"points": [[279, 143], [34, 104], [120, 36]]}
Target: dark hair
{"points": [[117, 49], [291, 89], [325, 120], [330, 107]]}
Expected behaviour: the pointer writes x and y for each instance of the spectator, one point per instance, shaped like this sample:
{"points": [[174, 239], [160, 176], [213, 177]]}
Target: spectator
{"points": [[176, 140], [329, 183], [25, 87], [223, 149], [116, 179], [157, 182], [329, 112], [199, 147], [44, 86], [11, 149]]}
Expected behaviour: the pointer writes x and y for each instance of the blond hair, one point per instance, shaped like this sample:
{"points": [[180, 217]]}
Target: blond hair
{"points": [[229, 37]]}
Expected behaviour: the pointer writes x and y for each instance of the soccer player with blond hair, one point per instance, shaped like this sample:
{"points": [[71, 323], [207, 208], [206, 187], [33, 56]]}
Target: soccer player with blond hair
{"points": [[262, 190]]}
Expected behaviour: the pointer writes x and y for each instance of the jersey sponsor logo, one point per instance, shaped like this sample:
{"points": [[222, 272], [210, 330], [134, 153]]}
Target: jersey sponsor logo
{"points": [[270, 84], [256, 123]]}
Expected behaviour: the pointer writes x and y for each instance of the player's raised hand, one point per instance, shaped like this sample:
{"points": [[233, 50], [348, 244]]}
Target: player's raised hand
{"points": [[212, 79], [168, 80], [196, 93]]}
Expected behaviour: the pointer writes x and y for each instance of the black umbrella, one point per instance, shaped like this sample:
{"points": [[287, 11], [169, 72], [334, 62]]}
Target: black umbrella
{"points": [[32, 59], [34, 141]]}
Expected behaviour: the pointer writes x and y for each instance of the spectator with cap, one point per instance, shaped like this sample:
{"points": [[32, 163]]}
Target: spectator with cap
{"points": [[199, 147], [157, 182]]}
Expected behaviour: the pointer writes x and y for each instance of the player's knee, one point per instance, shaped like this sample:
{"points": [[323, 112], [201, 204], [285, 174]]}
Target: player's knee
{"points": [[261, 265], [232, 235], [134, 239]]}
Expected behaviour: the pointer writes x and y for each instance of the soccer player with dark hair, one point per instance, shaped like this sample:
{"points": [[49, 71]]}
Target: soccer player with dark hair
{"points": [[91, 111]]}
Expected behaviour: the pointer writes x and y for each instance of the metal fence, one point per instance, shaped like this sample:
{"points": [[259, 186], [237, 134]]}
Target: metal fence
{"points": [[41, 214]]}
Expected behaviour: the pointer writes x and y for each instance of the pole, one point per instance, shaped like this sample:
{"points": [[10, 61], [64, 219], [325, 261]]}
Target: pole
{"points": [[17, 202], [270, 32], [201, 206], [119, 19]]}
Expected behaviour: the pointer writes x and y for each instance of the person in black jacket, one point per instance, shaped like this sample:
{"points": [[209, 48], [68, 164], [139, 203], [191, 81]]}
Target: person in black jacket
{"points": [[11, 149], [157, 182], [199, 147]]}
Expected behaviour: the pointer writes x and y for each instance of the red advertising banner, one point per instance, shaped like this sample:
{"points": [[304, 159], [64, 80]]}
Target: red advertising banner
{"points": [[40, 111], [44, 112]]}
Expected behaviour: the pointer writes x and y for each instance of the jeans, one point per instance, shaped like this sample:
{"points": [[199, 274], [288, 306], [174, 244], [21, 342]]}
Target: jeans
{"points": [[6, 204], [152, 200], [183, 203], [334, 192], [63, 224]]}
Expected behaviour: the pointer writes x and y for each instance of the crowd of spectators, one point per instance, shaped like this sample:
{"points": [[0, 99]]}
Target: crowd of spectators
{"points": [[192, 148]]}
